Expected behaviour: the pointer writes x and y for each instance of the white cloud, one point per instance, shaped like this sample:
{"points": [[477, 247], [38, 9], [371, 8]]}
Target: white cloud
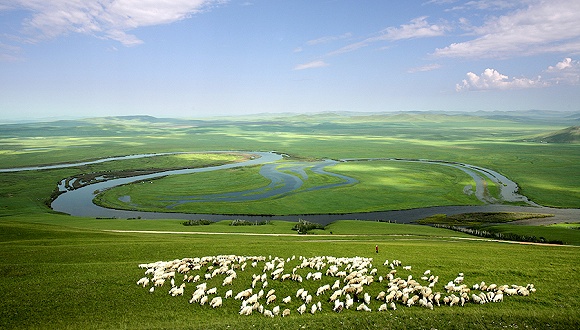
{"points": [[565, 72], [492, 79], [102, 18], [566, 64], [424, 68], [541, 27], [417, 28], [311, 65]]}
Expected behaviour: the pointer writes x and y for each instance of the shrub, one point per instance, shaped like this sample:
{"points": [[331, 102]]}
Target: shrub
{"points": [[240, 222], [199, 222], [304, 226]]}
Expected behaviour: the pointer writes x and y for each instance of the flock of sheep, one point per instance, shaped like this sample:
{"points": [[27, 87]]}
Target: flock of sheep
{"points": [[341, 283]]}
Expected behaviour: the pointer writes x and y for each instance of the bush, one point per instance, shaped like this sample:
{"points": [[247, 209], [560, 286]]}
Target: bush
{"points": [[199, 222], [240, 222], [304, 226]]}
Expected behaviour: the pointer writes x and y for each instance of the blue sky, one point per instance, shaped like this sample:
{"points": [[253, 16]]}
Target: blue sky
{"points": [[195, 58]]}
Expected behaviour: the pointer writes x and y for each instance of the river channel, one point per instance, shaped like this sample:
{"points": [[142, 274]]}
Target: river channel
{"points": [[78, 202]]}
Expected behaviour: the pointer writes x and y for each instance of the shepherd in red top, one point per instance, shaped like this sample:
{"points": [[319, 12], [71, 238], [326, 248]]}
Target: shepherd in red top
{"points": [[376, 248]]}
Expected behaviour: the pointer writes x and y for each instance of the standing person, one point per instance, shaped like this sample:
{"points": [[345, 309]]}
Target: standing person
{"points": [[376, 248]]}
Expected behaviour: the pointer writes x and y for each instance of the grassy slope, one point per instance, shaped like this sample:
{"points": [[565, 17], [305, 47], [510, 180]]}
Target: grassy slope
{"points": [[54, 269]]}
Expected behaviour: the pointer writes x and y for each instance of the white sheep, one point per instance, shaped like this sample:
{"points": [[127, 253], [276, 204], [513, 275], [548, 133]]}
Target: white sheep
{"points": [[363, 307], [287, 300], [302, 309], [338, 306], [228, 294], [144, 281], [212, 290], [313, 309], [216, 302], [268, 313], [286, 312], [247, 310]]}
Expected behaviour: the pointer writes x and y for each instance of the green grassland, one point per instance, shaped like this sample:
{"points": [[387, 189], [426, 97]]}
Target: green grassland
{"points": [[382, 186], [56, 275], [63, 272]]}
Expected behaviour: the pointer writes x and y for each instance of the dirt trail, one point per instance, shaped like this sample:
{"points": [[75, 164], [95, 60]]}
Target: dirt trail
{"points": [[321, 235]]}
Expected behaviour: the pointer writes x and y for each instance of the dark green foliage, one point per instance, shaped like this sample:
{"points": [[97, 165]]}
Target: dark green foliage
{"points": [[198, 222], [240, 222], [303, 226]]}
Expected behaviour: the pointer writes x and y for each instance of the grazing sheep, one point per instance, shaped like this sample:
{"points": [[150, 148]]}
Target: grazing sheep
{"points": [[229, 294], [216, 302], [322, 289], [363, 307], [177, 290], [260, 294], [247, 310], [276, 310], [144, 281], [287, 300], [271, 292], [299, 292], [383, 308], [268, 313], [348, 303], [313, 309], [270, 299], [227, 281], [367, 298], [301, 309], [407, 267], [253, 299], [338, 306], [498, 297], [203, 300], [212, 290], [286, 312]]}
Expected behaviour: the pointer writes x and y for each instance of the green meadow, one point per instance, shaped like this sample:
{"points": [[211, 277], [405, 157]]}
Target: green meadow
{"points": [[64, 272]]}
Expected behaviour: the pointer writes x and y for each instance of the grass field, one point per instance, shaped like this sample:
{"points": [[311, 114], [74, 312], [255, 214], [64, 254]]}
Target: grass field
{"points": [[63, 272], [56, 275]]}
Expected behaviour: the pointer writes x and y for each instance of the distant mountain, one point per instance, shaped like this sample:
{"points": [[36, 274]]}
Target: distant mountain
{"points": [[567, 135]]}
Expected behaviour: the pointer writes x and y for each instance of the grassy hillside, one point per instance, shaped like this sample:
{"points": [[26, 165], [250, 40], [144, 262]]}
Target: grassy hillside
{"points": [[567, 135], [66, 267]]}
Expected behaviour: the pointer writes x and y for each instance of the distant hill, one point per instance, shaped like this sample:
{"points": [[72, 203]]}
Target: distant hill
{"points": [[567, 135]]}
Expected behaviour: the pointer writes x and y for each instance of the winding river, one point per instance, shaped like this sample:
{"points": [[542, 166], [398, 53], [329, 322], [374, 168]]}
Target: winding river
{"points": [[78, 202]]}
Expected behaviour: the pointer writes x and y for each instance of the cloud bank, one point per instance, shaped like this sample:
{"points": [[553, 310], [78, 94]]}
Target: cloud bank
{"points": [[107, 19], [543, 26], [564, 72]]}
